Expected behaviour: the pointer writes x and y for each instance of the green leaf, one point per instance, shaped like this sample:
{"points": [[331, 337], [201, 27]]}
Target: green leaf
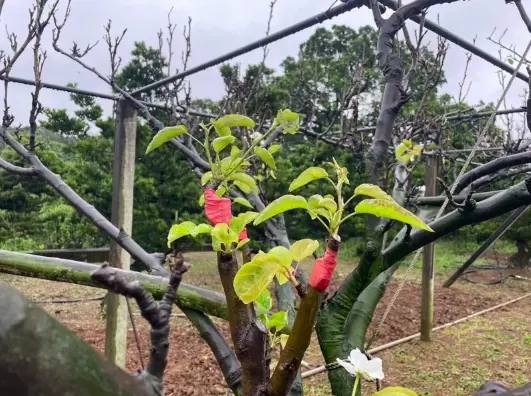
{"points": [[234, 152], [309, 175], [225, 164], [278, 321], [511, 61], [243, 202], [303, 248], [254, 277], [341, 172], [313, 201], [221, 191], [288, 120], [201, 229], [263, 303], [284, 340], [395, 391], [274, 148], [323, 213], [328, 204], [222, 234], [282, 277], [244, 187], [207, 176], [221, 142], [242, 243], [266, 157], [165, 135], [283, 255], [224, 124], [405, 151], [202, 200], [373, 191], [390, 210], [237, 224], [281, 205], [245, 179], [179, 230]]}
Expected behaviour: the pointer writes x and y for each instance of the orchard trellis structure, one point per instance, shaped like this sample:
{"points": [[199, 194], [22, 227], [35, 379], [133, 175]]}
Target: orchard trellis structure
{"points": [[190, 299]]}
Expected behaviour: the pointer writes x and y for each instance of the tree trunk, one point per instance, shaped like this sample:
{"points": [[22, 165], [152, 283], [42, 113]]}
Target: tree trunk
{"points": [[522, 256]]}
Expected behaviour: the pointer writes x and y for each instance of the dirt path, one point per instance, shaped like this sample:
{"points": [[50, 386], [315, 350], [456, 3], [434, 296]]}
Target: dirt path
{"points": [[457, 358]]}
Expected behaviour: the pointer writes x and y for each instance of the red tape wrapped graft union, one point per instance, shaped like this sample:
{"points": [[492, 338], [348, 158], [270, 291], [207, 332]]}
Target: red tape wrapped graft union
{"points": [[323, 270], [219, 210]]}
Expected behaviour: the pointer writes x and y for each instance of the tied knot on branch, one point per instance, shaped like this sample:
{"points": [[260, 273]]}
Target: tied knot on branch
{"points": [[468, 204]]}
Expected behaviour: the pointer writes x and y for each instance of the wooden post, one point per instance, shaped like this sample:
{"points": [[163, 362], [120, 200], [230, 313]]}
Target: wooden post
{"points": [[122, 217], [428, 278]]}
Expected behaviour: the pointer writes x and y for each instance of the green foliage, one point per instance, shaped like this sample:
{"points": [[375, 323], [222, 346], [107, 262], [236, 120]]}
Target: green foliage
{"points": [[165, 135], [329, 210], [390, 210], [224, 236], [254, 277], [309, 175]]}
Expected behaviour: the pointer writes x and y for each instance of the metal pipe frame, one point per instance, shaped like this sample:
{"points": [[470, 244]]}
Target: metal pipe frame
{"points": [[347, 6], [314, 20]]}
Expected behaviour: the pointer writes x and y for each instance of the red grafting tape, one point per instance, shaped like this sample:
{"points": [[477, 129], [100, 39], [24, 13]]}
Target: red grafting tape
{"points": [[219, 210], [322, 271]]}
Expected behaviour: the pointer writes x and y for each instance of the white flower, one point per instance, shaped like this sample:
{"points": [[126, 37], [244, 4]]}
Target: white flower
{"points": [[358, 363]]}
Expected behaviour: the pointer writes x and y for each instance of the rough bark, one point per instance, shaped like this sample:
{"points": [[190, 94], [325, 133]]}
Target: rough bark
{"points": [[249, 335], [40, 357]]}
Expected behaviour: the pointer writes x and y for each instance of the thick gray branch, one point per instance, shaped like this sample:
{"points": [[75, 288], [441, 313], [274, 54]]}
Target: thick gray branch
{"points": [[16, 170], [228, 363], [503, 202], [61, 270], [492, 167], [523, 14], [438, 200]]}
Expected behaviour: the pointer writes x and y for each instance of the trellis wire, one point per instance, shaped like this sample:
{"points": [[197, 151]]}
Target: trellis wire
{"points": [[446, 201]]}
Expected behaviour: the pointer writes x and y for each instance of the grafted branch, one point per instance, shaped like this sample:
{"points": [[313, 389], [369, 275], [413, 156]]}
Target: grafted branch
{"points": [[299, 339], [249, 335]]}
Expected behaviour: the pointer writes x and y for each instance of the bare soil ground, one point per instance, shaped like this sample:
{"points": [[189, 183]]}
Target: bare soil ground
{"points": [[494, 346]]}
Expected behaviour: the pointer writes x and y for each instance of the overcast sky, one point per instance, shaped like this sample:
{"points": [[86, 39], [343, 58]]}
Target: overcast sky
{"points": [[218, 27]]}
